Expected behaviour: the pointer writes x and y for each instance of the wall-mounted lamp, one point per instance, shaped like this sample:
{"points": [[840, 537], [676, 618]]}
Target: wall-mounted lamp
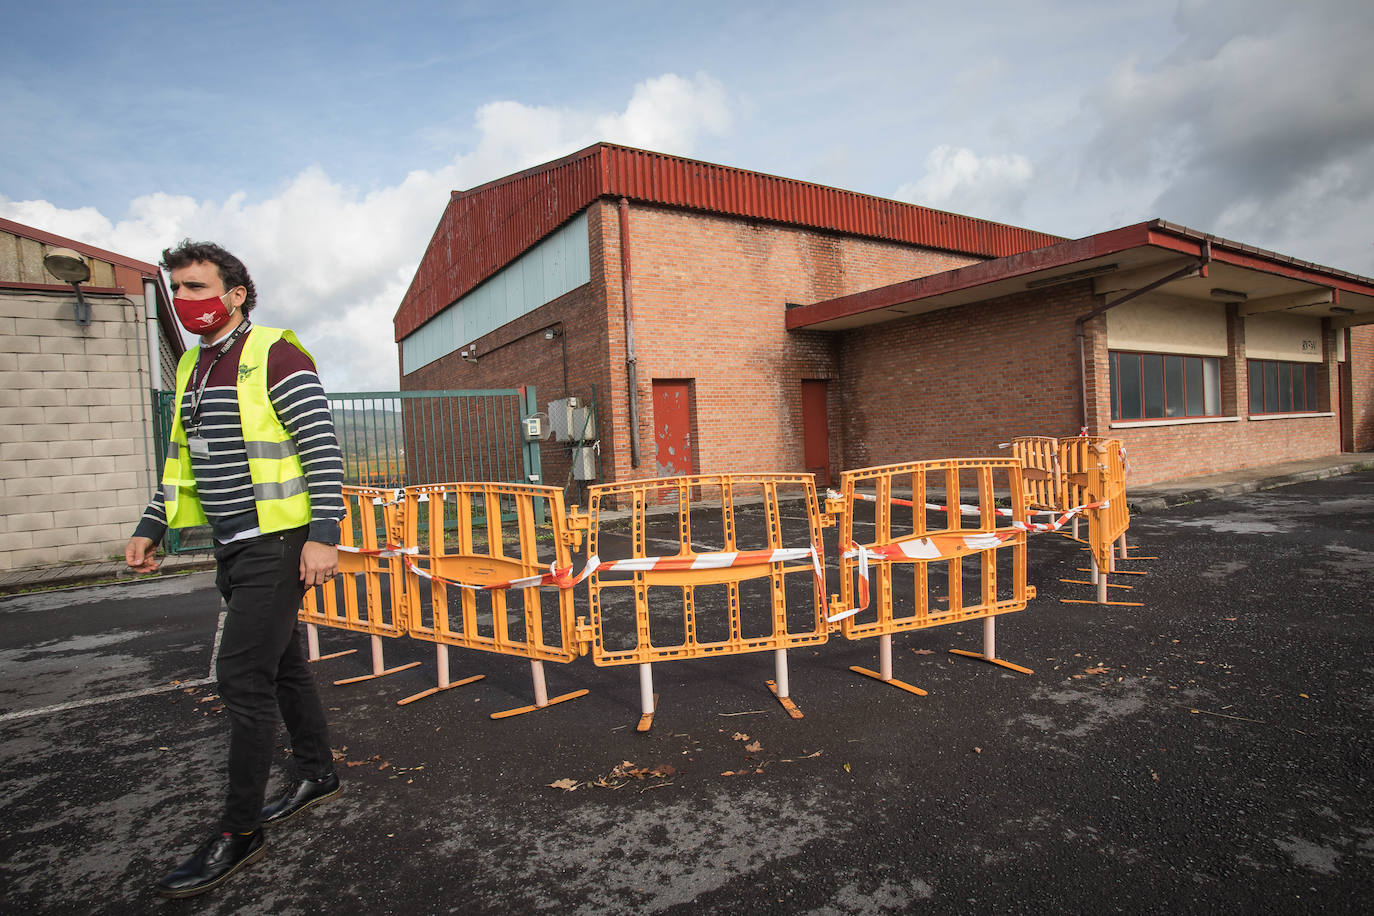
{"points": [[470, 354], [69, 267], [551, 333]]}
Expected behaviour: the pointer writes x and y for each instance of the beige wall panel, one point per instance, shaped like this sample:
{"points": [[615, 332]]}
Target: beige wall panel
{"points": [[1286, 337], [1167, 324], [9, 257]]}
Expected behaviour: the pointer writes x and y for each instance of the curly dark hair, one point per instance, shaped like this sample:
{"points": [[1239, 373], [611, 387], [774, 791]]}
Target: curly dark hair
{"points": [[231, 270]]}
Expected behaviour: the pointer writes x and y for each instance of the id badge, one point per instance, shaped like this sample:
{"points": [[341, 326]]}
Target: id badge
{"points": [[199, 447]]}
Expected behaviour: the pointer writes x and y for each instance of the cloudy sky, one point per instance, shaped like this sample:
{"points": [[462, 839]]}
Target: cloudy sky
{"points": [[320, 141]]}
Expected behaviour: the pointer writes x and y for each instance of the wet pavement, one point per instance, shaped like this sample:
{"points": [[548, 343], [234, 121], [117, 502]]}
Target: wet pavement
{"points": [[1208, 751]]}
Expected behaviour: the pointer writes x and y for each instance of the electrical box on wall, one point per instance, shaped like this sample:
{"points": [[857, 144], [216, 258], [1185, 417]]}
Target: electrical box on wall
{"points": [[571, 420], [584, 462], [534, 428]]}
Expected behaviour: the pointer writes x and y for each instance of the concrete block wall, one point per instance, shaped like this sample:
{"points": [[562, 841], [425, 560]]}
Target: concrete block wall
{"points": [[75, 428]]}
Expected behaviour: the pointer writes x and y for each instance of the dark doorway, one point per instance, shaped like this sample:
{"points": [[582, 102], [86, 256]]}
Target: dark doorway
{"points": [[815, 431]]}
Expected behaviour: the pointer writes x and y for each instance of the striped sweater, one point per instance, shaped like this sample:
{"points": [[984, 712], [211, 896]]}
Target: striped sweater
{"points": [[226, 490]]}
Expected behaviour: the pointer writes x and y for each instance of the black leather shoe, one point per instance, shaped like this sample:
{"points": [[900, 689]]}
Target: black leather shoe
{"points": [[299, 795], [212, 863]]}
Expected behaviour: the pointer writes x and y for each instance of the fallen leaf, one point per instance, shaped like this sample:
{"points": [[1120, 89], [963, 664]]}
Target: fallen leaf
{"points": [[1154, 776], [846, 768], [1097, 670], [663, 771], [164, 748], [384, 765], [923, 651], [754, 748], [1304, 696], [356, 763], [741, 736], [977, 750], [567, 785]]}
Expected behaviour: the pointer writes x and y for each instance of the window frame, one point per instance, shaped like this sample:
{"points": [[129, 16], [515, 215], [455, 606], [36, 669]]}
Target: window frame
{"points": [[1160, 362], [1269, 407]]}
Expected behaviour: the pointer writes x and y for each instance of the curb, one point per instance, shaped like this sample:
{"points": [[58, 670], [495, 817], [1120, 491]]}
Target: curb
{"points": [[1167, 500]]}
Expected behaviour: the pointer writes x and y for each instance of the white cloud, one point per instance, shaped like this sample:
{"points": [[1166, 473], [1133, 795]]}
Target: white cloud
{"points": [[958, 179], [333, 262], [1259, 126]]}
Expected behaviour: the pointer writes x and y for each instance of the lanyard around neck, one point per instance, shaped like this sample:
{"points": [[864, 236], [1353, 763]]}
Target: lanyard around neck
{"points": [[199, 384]]}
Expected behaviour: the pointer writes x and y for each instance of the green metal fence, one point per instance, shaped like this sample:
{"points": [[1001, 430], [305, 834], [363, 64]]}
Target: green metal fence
{"points": [[402, 438]]}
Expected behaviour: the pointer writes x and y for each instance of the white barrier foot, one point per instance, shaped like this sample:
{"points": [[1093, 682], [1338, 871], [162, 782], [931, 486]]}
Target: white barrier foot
{"points": [[885, 663], [441, 660], [312, 644], [379, 668], [541, 694], [989, 653], [780, 687]]}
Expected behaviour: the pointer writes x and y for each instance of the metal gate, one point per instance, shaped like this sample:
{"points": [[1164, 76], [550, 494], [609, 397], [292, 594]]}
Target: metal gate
{"points": [[406, 438]]}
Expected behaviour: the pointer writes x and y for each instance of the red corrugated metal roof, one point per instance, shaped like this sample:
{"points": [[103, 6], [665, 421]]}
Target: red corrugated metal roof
{"points": [[487, 227]]}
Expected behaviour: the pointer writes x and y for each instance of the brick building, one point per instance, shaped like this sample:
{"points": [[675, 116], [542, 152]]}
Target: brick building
{"points": [[77, 447], [773, 325]]}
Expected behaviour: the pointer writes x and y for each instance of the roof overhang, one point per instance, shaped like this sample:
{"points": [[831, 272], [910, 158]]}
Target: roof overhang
{"points": [[1119, 261], [129, 274]]}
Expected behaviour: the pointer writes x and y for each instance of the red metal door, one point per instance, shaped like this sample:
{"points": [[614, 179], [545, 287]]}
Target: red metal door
{"points": [[815, 431], [673, 426]]}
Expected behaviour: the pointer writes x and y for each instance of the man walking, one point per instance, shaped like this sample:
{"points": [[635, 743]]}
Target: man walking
{"points": [[252, 453]]}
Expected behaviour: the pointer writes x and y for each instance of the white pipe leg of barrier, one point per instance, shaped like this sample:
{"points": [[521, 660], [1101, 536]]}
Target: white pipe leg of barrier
{"points": [[378, 666], [541, 690], [441, 662], [1102, 588], [1092, 568], [312, 641], [648, 702], [442, 682], [989, 637], [1122, 545], [884, 672], [646, 689]]}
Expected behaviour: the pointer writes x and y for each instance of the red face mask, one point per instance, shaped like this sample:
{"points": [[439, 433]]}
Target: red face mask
{"points": [[202, 316]]}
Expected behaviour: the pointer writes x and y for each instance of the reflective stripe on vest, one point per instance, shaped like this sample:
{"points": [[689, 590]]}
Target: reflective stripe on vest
{"points": [[279, 486]]}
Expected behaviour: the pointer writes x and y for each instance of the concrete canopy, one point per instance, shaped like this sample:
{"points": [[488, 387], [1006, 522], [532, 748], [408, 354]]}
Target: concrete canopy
{"points": [[1119, 262]]}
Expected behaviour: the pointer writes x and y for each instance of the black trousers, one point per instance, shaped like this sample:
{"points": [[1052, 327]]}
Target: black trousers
{"points": [[264, 677]]}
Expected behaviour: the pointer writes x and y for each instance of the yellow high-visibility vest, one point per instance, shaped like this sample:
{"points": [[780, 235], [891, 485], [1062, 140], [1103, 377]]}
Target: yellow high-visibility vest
{"points": [[279, 486]]}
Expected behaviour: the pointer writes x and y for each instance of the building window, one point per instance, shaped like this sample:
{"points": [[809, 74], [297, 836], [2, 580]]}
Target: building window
{"points": [[1281, 387], [1157, 386]]}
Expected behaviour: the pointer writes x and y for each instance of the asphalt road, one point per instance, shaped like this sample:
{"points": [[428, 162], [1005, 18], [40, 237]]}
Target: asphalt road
{"points": [[1207, 752]]}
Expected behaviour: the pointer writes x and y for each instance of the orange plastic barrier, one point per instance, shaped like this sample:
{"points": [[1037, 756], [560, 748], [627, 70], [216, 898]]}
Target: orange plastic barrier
{"points": [[906, 565], [485, 553], [752, 536], [1095, 472], [1040, 472], [369, 566]]}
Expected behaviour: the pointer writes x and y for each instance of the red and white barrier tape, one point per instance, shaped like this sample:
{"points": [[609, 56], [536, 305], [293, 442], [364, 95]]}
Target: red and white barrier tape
{"points": [[944, 547], [563, 578], [964, 509], [390, 550]]}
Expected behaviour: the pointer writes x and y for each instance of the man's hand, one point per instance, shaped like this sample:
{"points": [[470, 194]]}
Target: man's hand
{"points": [[319, 563], [138, 554]]}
